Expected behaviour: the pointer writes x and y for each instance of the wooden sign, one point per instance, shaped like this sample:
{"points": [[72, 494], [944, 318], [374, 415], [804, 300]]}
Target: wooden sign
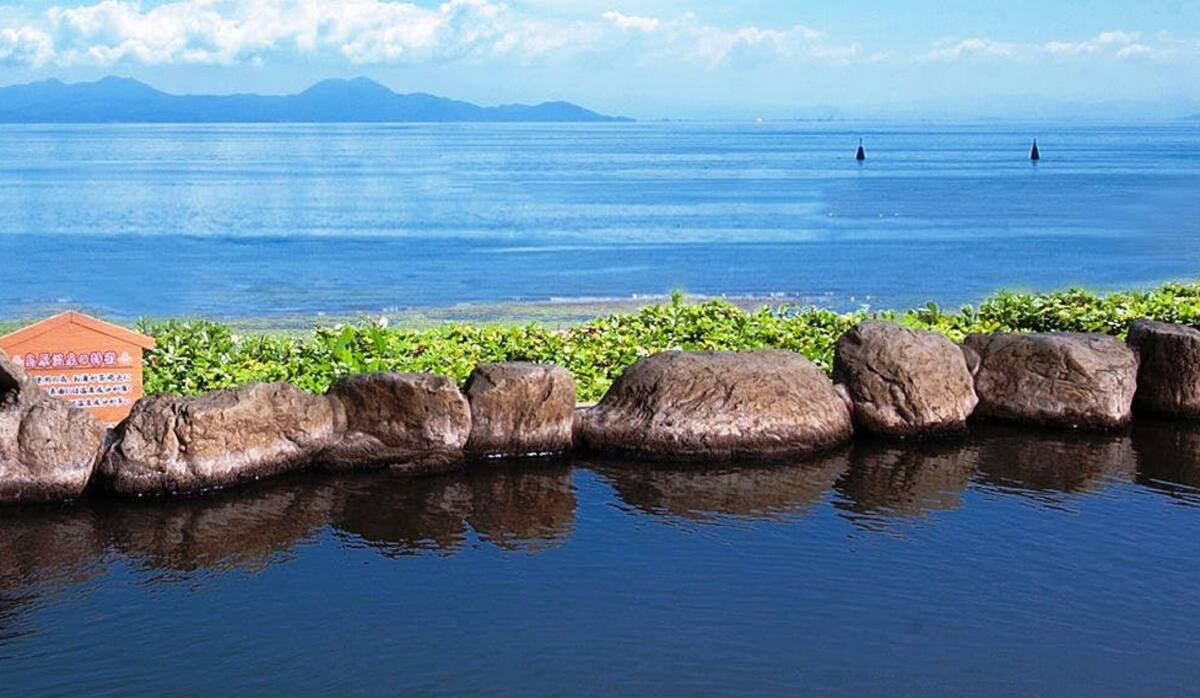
{"points": [[84, 361]]}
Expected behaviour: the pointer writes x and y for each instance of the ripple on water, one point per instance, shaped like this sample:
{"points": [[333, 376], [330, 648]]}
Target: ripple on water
{"points": [[1015, 557]]}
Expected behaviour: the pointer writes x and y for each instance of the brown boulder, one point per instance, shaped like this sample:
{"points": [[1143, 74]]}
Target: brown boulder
{"points": [[718, 404], [184, 444], [1169, 374], [520, 409], [1059, 379], [904, 382], [971, 357], [48, 449], [15, 384], [405, 421]]}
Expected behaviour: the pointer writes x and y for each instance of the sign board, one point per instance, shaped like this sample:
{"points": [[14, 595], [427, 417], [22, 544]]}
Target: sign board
{"points": [[87, 362]]}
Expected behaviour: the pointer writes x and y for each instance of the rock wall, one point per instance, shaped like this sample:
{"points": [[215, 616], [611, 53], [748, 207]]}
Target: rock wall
{"points": [[892, 382]]}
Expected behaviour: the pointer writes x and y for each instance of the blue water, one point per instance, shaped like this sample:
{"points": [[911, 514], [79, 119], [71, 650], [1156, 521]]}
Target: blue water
{"points": [[1008, 563], [235, 221]]}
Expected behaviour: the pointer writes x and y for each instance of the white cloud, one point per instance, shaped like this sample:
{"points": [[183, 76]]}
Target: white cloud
{"points": [[973, 48], [646, 24], [1104, 42], [688, 37], [228, 32], [22, 46], [378, 31], [1112, 44]]}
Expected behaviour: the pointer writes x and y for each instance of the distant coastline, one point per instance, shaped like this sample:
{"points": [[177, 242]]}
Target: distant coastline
{"points": [[360, 100]]}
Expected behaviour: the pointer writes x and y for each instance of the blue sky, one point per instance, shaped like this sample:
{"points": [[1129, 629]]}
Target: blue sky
{"points": [[648, 59]]}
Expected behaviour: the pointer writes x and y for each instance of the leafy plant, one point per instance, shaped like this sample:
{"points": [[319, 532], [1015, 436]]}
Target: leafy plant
{"points": [[197, 356]]}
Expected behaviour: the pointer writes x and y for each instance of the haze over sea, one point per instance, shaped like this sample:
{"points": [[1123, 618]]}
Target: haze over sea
{"points": [[235, 221]]}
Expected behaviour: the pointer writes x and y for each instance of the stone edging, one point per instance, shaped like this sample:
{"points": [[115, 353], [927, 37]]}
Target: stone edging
{"points": [[891, 381]]}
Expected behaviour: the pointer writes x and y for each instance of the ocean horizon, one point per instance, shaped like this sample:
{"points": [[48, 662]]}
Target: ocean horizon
{"points": [[374, 218]]}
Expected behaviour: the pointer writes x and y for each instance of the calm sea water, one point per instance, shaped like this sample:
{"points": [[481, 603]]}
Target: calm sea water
{"points": [[236, 221], [1004, 564]]}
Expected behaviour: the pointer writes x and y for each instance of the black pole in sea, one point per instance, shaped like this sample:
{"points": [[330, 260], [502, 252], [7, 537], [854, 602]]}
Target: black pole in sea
{"points": [[860, 154], [1034, 155]]}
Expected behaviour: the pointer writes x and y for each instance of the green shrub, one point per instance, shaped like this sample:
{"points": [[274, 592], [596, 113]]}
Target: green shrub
{"points": [[197, 356]]}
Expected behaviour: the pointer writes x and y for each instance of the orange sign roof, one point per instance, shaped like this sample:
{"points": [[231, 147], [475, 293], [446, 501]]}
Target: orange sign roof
{"points": [[71, 317]]}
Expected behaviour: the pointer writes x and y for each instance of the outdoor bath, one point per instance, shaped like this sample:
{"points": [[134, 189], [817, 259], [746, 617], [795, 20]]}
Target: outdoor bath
{"points": [[1001, 554]]}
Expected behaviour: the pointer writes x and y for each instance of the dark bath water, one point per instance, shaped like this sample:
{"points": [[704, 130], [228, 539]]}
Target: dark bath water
{"points": [[281, 220], [1003, 564]]}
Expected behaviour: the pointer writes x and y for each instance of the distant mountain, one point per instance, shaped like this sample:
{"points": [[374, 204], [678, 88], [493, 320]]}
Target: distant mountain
{"points": [[123, 100]]}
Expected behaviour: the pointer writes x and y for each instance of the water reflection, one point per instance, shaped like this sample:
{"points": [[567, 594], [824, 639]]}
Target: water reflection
{"points": [[527, 506], [43, 550], [1168, 456], [513, 506], [13, 623], [889, 479], [702, 492], [1045, 465], [48, 545], [245, 529], [532, 506]]}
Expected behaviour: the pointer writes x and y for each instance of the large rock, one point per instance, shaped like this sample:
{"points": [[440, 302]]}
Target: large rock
{"points": [[904, 382], [15, 383], [48, 449], [1169, 375], [1057, 379], [405, 421], [184, 444], [520, 409], [718, 404]]}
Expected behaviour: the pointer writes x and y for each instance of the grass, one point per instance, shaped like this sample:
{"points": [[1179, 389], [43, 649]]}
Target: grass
{"points": [[198, 356]]}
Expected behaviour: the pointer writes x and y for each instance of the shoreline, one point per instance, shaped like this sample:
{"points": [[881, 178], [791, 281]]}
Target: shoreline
{"points": [[554, 313]]}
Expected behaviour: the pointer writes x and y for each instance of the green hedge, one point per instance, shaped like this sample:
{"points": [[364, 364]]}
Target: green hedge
{"points": [[197, 356]]}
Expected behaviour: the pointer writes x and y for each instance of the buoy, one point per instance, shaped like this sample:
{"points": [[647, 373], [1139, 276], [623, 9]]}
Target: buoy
{"points": [[1033, 152], [861, 154]]}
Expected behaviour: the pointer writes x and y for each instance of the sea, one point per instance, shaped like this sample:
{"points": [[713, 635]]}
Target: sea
{"points": [[262, 221]]}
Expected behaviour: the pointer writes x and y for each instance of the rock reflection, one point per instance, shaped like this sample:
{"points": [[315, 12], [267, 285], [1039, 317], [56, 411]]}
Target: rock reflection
{"points": [[13, 622], [904, 479], [704, 491], [521, 506], [245, 529], [1045, 465], [48, 545], [512, 506], [525, 506], [43, 549], [400, 514], [1168, 458]]}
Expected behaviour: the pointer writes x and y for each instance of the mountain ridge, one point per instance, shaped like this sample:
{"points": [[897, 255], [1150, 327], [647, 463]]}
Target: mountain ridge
{"points": [[114, 99]]}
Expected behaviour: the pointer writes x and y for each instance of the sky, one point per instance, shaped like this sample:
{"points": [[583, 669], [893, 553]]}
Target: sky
{"points": [[648, 58]]}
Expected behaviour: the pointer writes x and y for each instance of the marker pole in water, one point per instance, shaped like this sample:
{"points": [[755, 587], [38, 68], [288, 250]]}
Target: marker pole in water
{"points": [[860, 154], [1034, 155]]}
